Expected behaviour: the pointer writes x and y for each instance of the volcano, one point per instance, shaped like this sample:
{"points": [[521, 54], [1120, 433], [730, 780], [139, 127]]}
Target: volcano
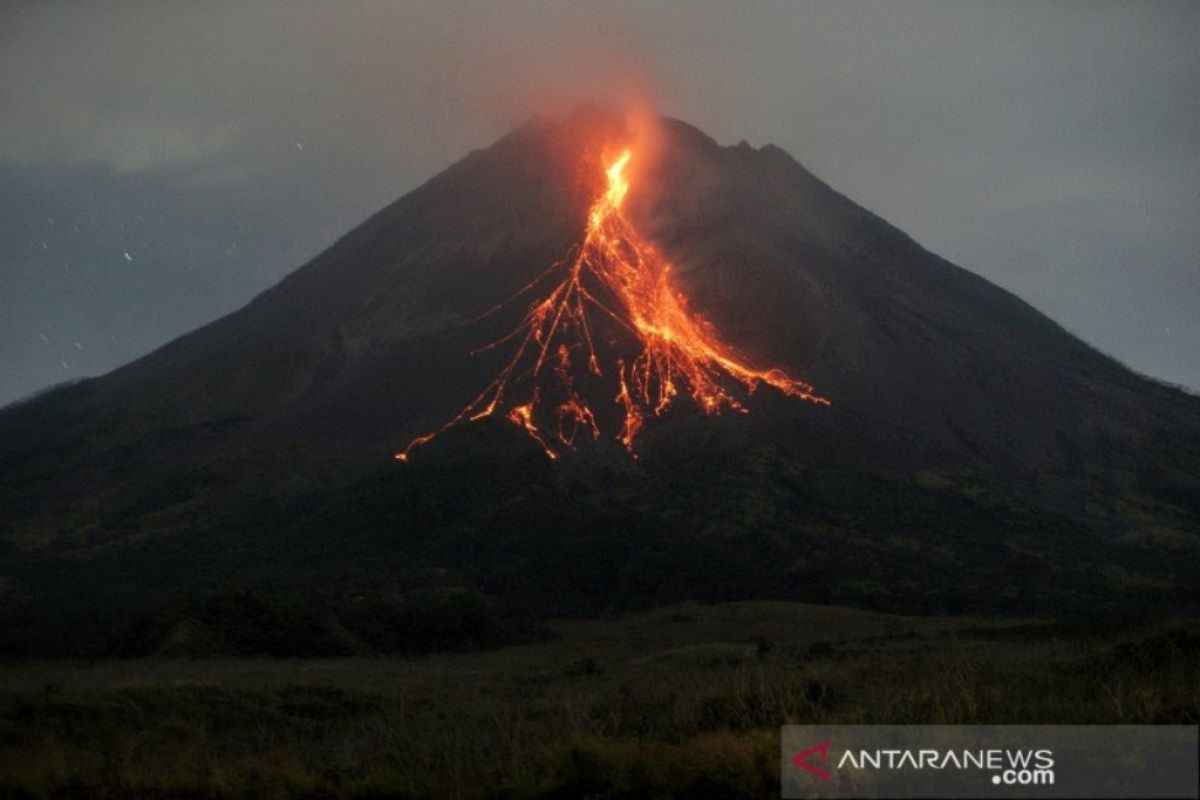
{"points": [[960, 449]]}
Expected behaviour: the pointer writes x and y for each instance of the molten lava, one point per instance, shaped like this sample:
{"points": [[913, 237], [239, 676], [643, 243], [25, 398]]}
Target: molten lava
{"points": [[616, 275]]}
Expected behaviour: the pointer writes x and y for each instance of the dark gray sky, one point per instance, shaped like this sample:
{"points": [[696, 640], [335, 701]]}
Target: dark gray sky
{"points": [[161, 163]]}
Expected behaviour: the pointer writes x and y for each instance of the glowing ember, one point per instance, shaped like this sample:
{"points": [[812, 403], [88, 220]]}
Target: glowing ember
{"points": [[614, 275]]}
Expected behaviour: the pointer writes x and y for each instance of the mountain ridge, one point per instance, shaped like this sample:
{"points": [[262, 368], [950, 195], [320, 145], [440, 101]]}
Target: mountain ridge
{"points": [[966, 429]]}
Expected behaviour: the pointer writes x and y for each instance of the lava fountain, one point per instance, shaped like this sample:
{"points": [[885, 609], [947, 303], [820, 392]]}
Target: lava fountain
{"points": [[616, 280]]}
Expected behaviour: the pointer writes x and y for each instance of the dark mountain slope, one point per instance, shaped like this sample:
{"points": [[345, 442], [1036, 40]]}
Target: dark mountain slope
{"points": [[943, 367]]}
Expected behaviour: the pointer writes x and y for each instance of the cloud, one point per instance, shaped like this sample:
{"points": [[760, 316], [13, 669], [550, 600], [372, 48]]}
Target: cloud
{"points": [[81, 90]]}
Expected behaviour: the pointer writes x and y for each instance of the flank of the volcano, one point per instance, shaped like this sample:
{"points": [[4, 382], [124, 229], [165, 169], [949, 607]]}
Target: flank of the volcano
{"points": [[617, 280]]}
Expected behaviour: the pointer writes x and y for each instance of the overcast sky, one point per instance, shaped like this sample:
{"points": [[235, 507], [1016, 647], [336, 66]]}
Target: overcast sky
{"points": [[162, 163]]}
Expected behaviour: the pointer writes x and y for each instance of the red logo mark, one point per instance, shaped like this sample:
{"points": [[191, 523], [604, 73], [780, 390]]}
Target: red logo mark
{"points": [[801, 760]]}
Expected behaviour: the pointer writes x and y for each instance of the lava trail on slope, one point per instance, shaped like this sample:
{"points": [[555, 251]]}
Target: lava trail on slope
{"points": [[612, 325]]}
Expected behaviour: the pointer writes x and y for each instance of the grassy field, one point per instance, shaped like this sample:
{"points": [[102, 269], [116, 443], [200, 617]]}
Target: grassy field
{"points": [[680, 701]]}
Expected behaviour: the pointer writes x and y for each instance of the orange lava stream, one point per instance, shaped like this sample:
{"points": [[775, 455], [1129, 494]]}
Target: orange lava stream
{"points": [[616, 274]]}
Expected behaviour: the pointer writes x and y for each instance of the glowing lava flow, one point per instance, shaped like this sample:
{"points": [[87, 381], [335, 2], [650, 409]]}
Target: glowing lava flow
{"points": [[617, 275]]}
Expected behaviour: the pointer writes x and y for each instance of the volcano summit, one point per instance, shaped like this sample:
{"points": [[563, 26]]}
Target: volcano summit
{"points": [[975, 455], [618, 274]]}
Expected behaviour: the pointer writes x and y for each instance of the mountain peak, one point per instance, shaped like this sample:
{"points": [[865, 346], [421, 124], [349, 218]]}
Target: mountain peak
{"points": [[567, 353]]}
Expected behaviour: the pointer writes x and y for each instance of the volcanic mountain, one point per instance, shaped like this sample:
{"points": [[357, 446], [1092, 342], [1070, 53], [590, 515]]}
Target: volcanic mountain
{"points": [[974, 454]]}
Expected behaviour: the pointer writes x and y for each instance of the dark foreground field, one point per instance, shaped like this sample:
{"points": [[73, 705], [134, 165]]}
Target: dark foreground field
{"points": [[681, 701]]}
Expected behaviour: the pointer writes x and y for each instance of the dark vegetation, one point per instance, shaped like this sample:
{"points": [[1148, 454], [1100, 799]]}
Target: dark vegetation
{"points": [[482, 538], [676, 702]]}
